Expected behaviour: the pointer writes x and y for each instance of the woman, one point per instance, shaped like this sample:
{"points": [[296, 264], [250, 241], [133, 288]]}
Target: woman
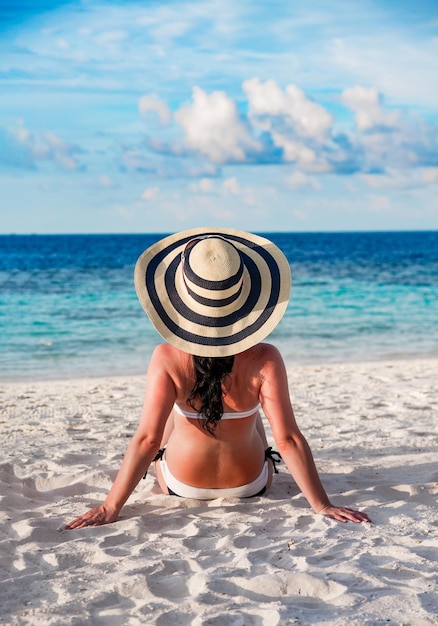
{"points": [[214, 295]]}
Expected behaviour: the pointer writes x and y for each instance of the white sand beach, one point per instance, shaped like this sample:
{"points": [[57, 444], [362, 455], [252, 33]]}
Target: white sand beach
{"points": [[260, 562]]}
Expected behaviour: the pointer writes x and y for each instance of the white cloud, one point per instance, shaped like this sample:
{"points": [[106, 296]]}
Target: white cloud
{"points": [[47, 146], [367, 104], [230, 185], [134, 161], [205, 185], [195, 170], [406, 179], [300, 181], [392, 143], [294, 129], [296, 124], [153, 103], [379, 204], [400, 61], [95, 57], [213, 127], [295, 151], [296, 112], [111, 40], [106, 182], [62, 44], [429, 175], [150, 193]]}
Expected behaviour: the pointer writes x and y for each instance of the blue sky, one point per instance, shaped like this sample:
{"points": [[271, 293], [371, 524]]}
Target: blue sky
{"points": [[268, 116]]}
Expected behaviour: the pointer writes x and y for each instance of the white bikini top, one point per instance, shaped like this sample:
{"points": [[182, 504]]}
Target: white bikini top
{"points": [[235, 415]]}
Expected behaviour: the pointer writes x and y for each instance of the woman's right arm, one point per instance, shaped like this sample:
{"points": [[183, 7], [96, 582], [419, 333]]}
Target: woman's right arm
{"points": [[159, 398], [291, 443]]}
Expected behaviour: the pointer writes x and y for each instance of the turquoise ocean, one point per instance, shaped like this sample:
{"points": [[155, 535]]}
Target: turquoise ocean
{"points": [[68, 307]]}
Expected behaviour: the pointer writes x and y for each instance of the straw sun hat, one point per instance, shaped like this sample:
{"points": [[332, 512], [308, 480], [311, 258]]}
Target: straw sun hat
{"points": [[213, 291]]}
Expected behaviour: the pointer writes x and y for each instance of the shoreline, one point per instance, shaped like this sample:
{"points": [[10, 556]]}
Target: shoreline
{"points": [[270, 560], [290, 364]]}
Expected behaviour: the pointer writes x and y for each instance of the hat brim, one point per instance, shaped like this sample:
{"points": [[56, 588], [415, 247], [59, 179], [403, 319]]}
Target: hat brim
{"points": [[195, 331]]}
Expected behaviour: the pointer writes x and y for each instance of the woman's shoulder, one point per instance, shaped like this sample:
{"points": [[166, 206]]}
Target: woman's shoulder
{"points": [[163, 349], [260, 354], [166, 355], [261, 360], [264, 352], [172, 364], [166, 349]]}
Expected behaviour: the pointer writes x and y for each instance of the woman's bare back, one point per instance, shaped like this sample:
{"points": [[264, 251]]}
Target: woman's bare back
{"points": [[235, 454]]}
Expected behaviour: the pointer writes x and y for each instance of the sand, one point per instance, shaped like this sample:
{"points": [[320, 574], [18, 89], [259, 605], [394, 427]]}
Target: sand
{"points": [[267, 561]]}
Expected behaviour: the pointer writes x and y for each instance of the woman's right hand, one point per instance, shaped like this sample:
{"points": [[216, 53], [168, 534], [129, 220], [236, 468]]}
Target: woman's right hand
{"points": [[95, 517]]}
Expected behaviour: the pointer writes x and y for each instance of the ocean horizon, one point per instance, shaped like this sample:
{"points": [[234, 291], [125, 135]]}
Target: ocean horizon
{"points": [[68, 306]]}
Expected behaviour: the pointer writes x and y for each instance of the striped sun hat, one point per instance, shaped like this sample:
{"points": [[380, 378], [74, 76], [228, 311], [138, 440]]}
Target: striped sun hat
{"points": [[213, 291]]}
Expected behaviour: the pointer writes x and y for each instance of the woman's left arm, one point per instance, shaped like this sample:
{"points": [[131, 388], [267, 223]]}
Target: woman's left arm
{"points": [[159, 398], [292, 445]]}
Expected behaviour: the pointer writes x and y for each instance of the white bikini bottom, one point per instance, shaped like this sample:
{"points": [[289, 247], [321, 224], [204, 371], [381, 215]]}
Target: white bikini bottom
{"points": [[256, 487]]}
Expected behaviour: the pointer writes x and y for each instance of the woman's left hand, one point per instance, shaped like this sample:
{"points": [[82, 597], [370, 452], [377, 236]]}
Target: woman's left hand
{"points": [[344, 514]]}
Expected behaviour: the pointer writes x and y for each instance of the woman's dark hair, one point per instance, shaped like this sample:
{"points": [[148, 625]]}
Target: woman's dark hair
{"points": [[206, 395]]}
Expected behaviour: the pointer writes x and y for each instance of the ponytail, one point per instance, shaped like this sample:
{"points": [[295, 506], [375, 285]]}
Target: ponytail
{"points": [[207, 394]]}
